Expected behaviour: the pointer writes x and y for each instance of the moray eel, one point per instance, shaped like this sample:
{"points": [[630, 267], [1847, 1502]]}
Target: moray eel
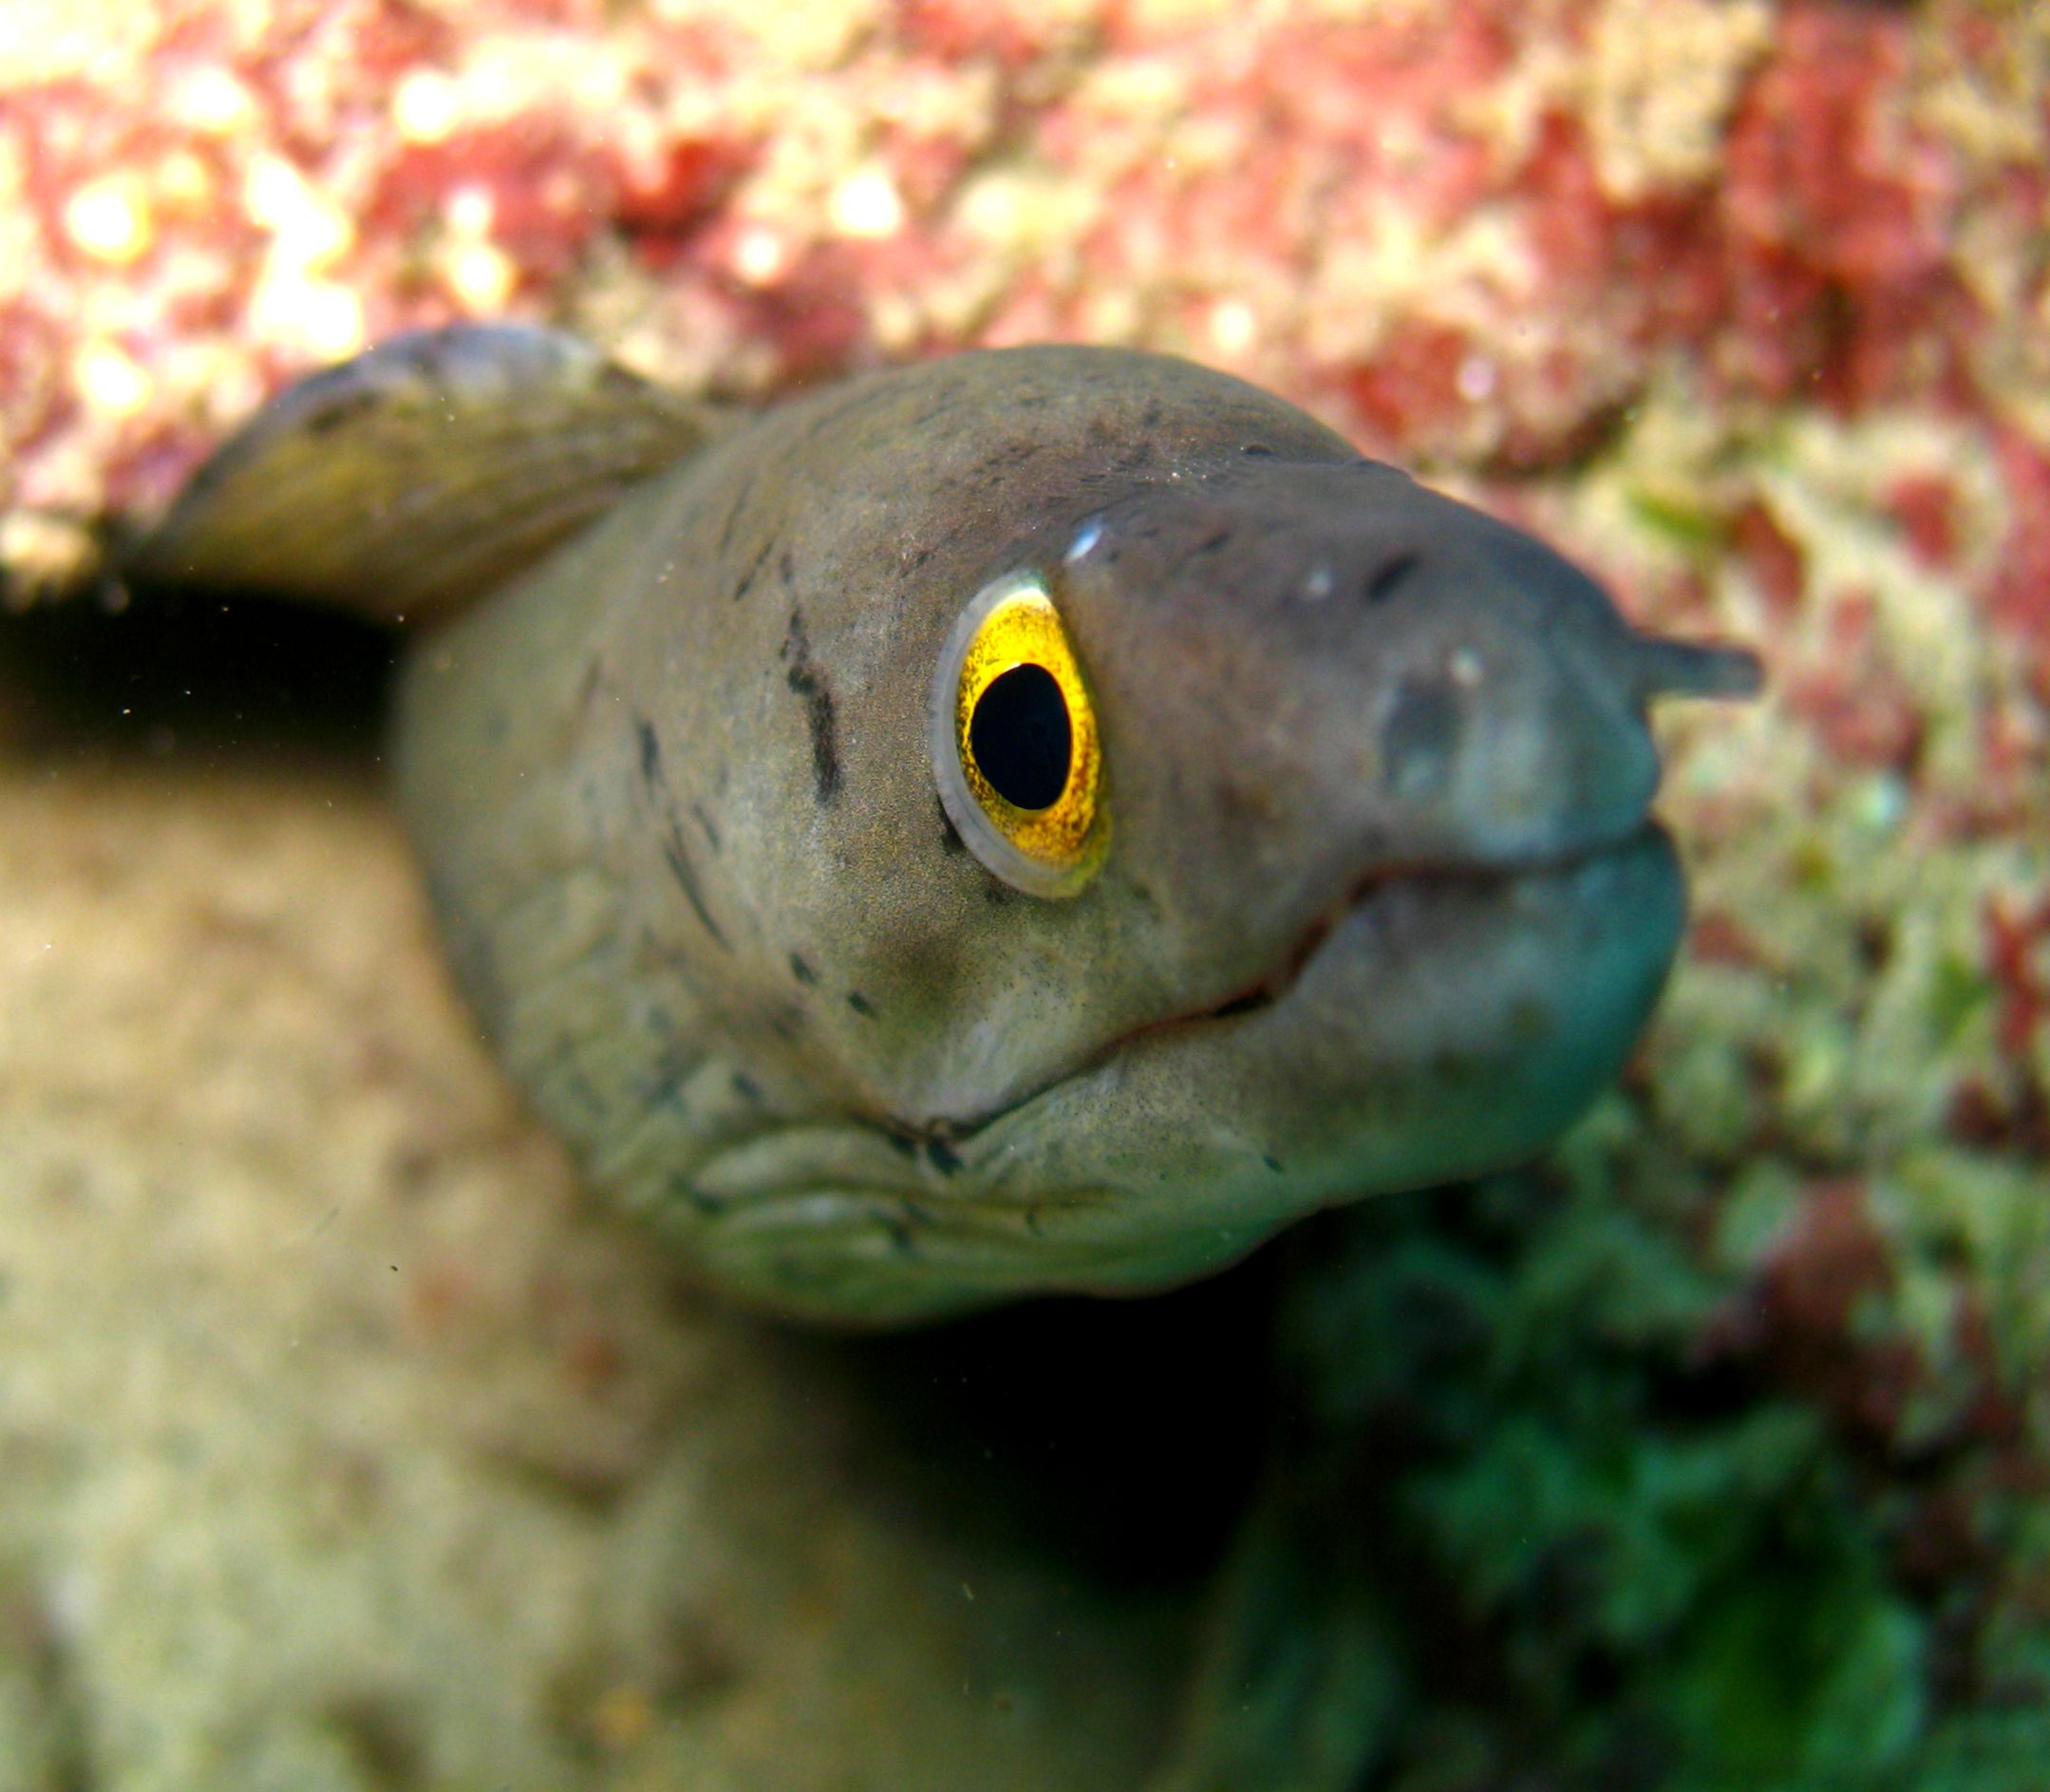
{"points": [[1039, 820]]}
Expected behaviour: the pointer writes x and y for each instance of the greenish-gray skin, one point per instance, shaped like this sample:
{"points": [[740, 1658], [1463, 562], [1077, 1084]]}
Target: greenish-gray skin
{"points": [[1371, 898], [1381, 904]]}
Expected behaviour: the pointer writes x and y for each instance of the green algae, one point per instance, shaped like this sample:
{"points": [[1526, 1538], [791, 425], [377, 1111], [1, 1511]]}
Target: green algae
{"points": [[1621, 1555]]}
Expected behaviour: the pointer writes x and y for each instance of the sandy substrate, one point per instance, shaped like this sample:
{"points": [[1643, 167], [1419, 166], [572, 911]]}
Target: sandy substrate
{"points": [[343, 1446]]}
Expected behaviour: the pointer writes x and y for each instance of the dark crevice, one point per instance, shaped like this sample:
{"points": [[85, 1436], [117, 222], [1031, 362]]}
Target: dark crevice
{"points": [[162, 675], [1117, 1440]]}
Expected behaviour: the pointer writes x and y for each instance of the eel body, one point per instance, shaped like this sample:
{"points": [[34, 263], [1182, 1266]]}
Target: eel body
{"points": [[1039, 820]]}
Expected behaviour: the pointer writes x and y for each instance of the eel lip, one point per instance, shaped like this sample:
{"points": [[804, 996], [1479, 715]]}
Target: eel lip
{"points": [[1363, 893]]}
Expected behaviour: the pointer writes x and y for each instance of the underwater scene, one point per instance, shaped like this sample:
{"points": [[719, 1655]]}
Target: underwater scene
{"points": [[1025, 895]]}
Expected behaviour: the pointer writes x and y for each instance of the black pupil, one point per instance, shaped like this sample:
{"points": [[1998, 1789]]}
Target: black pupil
{"points": [[1021, 737]]}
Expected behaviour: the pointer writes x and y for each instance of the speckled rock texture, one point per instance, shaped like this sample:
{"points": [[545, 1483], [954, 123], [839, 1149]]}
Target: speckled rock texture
{"points": [[342, 1446]]}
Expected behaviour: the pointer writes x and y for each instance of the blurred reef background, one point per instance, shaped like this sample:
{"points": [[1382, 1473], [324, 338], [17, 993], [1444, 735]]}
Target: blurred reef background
{"points": [[343, 1445]]}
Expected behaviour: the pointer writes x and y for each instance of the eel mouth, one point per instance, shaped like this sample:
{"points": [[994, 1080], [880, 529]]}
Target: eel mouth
{"points": [[1379, 889], [1370, 904]]}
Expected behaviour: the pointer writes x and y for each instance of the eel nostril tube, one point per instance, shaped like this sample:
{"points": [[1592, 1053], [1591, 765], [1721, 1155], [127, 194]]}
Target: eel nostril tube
{"points": [[1691, 669]]}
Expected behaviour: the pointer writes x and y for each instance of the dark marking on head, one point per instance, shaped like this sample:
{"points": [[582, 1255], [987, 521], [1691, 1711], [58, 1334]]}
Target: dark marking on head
{"points": [[1213, 541], [686, 880], [900, 1235], [651, 753], [751, 574], [786, 1023], [735, 508], [1386, 579], [861, 1005], [808, 680], [904, 1143], [1256, 448], [1272, 1162], [1031, 1222], [747, 1088], [825, 744], [786, 568], [942, 1156], [800, 970], [951, 840], [704, 822]]}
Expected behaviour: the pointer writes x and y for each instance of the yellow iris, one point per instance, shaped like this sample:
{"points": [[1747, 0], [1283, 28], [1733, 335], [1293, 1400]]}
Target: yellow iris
{"points": [[1025, 732]]}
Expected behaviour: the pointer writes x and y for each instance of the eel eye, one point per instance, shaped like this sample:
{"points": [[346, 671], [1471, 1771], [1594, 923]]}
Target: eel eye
{"points": [[1014, 742]]}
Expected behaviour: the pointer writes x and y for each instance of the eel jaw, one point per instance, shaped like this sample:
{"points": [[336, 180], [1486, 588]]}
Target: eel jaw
{"points": [[1381, 884], [1264, 1001]]}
